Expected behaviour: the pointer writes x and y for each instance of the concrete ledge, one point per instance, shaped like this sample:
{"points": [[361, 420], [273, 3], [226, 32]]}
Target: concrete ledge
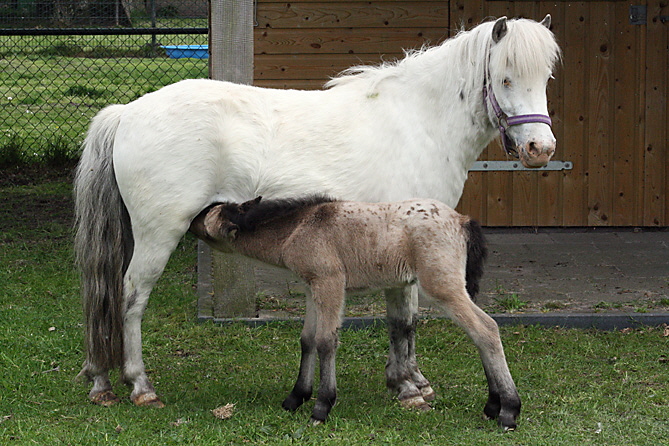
{"points": [[600, 321]]}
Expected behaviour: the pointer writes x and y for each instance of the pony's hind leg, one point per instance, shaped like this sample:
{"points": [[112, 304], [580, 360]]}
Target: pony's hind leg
{"points": [[305, 380], [151, 252], [402, 373], [101, 393]]}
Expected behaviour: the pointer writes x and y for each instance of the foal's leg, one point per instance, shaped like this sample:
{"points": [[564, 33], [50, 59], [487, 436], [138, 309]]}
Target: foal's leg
{"points": [[328, 294], [503, 400], [305, 380], [402, 373], [150, 255]]}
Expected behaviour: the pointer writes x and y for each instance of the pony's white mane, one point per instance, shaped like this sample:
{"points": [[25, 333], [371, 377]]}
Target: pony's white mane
{"points": [[528, 48]]}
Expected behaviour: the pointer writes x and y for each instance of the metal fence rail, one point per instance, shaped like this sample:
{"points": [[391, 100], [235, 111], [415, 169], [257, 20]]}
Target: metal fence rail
{"points": [[61, 61]]}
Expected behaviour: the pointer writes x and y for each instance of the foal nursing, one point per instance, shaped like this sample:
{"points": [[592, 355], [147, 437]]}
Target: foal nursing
{"points": [[339, 246]]}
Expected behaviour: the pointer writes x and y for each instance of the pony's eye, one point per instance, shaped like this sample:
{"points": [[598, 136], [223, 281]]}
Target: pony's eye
{"points": [[507, 82]]}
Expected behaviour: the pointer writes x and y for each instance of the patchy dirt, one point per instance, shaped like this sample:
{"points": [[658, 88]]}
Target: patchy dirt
{"points": [[35, 198], [30, 175]]}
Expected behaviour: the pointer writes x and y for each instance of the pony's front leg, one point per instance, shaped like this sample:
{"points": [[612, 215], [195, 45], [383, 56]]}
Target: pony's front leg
{"points": [[402, 373], [305, 380]]}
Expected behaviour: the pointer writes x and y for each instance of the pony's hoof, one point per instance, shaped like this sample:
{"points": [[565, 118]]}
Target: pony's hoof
{"points": [[148, 400], [314, 422], [428, 393], [416, 402], [106, 398]]}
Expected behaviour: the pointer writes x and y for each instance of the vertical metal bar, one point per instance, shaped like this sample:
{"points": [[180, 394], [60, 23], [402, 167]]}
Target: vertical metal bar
{"points": [[230, 59], [153, 24], [231, 41]]}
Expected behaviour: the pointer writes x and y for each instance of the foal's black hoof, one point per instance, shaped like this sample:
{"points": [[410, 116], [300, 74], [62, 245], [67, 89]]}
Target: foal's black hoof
{"points": [[507, 421], [294, 401], [320, 412]]}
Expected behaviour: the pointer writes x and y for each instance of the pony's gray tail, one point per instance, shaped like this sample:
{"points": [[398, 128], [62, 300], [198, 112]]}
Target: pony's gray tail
{"points": [[103, 244], [477, 252]]}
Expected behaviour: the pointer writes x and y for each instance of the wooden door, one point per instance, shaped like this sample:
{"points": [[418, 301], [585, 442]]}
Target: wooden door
{"points": [[609, 107], [608, 101]]}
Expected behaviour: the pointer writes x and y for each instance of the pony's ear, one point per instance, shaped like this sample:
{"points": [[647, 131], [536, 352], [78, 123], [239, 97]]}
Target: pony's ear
{"points": [[249, 204], [499, 29], [547, 21]]}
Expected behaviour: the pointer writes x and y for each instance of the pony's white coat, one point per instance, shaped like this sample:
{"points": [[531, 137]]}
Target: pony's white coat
{"points": [[389, 133], [383, 134]]}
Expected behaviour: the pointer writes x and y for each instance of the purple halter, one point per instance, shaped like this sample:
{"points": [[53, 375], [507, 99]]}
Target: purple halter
{"points": [[505, 121]]}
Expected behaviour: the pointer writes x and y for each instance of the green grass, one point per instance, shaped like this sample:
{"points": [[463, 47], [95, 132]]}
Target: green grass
{"points": [[510, 303], [51, 86], [590, 387]]}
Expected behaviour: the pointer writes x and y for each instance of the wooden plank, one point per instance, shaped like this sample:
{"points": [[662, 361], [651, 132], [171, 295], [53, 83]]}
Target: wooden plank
{"points": [[500, 184], [550, 184], [311, 66], [599, 113], [290, 84], [344, 41], [353, 15], [656, 184], [472, 202], [572, 145], [525, 197], [466, 13], [524, 186], [625, 117]]}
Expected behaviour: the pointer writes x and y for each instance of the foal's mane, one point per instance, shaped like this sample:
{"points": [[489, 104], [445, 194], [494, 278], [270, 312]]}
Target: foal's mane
{"points": [[250, 215]]}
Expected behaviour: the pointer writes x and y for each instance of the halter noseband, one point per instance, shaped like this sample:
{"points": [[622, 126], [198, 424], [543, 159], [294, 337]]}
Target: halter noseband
{"points": [[504, 121]]}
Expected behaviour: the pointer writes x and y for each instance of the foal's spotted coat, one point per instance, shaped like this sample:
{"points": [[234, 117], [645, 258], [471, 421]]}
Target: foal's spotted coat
{"points": [[339, 246]]}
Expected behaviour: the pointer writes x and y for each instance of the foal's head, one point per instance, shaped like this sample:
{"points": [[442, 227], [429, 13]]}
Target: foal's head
{"points": [[222, 221]]}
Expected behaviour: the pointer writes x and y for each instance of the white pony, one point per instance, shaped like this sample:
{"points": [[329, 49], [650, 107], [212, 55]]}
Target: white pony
{"points": [[387, 133]]}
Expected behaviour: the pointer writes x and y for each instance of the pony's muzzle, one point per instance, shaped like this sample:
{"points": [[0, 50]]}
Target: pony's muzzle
{"points": [[536, 153]]}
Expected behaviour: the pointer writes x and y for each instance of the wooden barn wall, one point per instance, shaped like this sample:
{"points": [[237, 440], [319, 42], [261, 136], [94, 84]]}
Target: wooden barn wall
{"points": [[608, 100], [301, 44]]}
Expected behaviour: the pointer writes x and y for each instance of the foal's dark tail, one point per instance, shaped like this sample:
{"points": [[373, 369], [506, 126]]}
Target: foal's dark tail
{"points": [[477, 252], [103, 245]]}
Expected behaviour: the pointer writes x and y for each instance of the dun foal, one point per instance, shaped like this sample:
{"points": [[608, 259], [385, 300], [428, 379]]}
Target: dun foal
{"points": [[338, 246]]}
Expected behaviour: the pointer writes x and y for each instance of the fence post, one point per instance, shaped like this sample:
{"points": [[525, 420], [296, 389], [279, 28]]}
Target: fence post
{"points": [[231, 59]]}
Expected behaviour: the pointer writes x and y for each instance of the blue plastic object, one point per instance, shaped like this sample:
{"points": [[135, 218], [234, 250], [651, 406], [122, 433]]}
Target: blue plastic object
{"points": [[187, 51]]}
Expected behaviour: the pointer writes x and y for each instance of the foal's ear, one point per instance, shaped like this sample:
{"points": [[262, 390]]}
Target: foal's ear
{"points": [[230, 231], [217, 225], [547, 21], [249, 204], [499, 29]]}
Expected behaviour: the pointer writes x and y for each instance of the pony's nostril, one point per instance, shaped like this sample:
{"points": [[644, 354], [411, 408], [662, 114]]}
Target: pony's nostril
{"points": [[534, 149]]}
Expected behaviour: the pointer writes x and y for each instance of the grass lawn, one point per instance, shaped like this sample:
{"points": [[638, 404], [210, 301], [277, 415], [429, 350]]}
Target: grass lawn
{"points": [[609, 388], [51, 86]]}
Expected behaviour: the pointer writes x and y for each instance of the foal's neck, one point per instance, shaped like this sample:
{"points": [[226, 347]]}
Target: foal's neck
{"points": [[266, 241]]}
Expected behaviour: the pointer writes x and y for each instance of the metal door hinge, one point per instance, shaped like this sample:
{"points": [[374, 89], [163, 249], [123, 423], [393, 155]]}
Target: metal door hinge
{"points": [[491, 166], [637, 14]]}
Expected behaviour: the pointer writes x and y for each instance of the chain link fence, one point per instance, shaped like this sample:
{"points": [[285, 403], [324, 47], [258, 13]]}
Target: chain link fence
{"points": [[61, 61]]}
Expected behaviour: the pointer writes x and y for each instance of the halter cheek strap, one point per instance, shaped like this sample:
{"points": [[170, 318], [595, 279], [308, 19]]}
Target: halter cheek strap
{"points": [[504, 121]]}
